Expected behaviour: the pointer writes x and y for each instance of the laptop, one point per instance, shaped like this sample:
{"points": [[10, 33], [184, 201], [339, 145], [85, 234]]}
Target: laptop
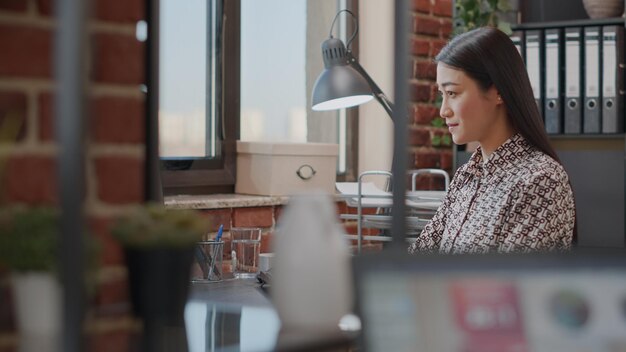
{"points": [[540, 302]]}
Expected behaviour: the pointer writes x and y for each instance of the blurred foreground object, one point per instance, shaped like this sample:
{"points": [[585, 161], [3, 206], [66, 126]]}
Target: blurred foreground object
{"points": [[311, 287]]}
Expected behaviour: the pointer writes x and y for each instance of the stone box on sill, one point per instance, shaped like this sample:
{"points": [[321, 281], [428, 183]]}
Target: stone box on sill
{"points": [[280, 169]]}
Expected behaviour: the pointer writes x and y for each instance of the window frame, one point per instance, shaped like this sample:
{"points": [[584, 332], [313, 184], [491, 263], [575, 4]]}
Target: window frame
{"points": [[219, 175]]}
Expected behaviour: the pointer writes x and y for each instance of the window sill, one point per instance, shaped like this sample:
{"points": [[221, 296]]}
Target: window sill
{"points": [[220, 201]]}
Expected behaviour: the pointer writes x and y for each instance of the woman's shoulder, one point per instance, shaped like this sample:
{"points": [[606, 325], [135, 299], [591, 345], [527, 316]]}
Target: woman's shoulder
{"points": [[540, 165]]}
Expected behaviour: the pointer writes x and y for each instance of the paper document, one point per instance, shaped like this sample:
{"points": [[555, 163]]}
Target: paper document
{"points": [[374, 197]]}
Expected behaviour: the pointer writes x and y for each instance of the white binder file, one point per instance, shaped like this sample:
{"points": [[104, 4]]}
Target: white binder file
{"points": [[517, 37], [533, 64], [573, 73], [591, 115], [552, 108], [612, 79]]}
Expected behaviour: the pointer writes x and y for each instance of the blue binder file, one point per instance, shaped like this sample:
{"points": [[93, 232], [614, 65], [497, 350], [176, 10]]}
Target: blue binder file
{"points": [[592, 111], [573, 74]]}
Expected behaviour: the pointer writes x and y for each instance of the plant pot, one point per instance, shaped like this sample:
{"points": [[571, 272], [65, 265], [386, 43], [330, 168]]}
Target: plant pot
{"points": [[37, 297], [604, 8], [159, 283]]}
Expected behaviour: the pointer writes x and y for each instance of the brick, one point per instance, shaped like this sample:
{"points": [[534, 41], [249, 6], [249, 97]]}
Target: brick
{"points": [[254, 217], [430, 183], [31, 179], [45, 116], [425, 70], [446, 28], [372, 247], [111, 252], [424, 114], [420, 47], [118, 120], [426, 26], [419, 137], [278, 212], [26, 52], [119, 340], [443, 8], [13, 5], [266, 242], [45, 7], [218, 217], [424, 159], [13, 104], [420, 92], [118, 59], [119, 179], [446, 160], [351, 228], [422, 6], [127, 11], [437, 46], [113, 293], [423, 182]]}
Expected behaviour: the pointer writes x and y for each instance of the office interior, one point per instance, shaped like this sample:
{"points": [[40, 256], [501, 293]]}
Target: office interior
{"points": [[92, 142]]}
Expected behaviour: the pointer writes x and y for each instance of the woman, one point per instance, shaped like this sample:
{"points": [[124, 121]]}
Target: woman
{"points": [[513, 194]]}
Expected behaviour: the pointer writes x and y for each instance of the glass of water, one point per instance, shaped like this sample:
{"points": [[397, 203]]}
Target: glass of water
{"points": [[246, 247]]}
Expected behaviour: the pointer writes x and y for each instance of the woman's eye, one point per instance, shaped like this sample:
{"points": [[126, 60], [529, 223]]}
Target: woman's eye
{"points": [[451, 94]]}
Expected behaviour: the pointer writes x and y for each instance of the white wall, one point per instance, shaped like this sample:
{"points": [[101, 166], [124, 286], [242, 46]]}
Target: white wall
{"points": [[376, 57]]}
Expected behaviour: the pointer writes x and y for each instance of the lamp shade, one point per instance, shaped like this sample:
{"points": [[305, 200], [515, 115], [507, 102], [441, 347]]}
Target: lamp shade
{"points": [[339, 85]]}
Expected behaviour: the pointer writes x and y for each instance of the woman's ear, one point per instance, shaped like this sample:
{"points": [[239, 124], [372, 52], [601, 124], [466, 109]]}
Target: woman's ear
{"points": [[496, 95]]}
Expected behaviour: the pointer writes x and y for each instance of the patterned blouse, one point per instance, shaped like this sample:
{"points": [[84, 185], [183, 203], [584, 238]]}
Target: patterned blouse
{"points": [[518, 200]]}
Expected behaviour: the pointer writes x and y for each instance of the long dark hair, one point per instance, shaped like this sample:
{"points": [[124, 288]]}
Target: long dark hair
{"points": [[489, 57]]}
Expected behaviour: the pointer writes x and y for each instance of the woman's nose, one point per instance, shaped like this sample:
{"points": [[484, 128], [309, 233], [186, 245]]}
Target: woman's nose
{"points": [[445, 111]]}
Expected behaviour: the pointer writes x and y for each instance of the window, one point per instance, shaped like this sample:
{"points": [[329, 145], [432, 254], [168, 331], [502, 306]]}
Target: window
{"points": [[254, 61]]}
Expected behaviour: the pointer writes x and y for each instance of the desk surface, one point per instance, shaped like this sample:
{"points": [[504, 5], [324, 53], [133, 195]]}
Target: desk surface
{"points": [[237, 315]]}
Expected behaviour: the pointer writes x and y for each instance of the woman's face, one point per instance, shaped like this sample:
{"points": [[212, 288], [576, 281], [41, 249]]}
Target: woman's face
{"points": [[470, 113]]}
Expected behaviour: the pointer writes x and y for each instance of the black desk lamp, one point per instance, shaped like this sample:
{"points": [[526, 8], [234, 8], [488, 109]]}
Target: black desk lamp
{"points": [[344, 83]]}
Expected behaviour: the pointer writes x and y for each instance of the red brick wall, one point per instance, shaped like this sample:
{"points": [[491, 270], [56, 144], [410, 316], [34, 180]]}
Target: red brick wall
{"points": [[431, 29], [115, 140]]}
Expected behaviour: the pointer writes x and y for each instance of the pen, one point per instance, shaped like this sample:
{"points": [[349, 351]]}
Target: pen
{"points": [[214, 267], [219, 233]]}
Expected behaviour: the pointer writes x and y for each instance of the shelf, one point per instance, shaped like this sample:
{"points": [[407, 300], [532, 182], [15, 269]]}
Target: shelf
{"points": [[587, 136], [573, 23]]}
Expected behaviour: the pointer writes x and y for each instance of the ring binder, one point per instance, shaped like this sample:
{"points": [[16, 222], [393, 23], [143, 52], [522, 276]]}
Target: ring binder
{"points": [[591, 116], [612, 79], [552, 108], [533, 65], [573, 73]]}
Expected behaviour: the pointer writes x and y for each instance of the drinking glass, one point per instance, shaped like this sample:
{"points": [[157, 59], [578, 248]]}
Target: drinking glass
{"points": [[246, 247]]}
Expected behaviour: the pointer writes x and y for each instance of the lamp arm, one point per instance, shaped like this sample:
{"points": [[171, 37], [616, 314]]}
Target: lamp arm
{"points": [[376, 91]]}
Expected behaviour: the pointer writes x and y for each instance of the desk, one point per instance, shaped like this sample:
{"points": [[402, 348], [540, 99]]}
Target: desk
{"points": [[237, 315]]}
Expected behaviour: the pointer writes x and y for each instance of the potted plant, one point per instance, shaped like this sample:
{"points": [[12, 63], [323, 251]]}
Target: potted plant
{"points": [[470, 14], [28, 249], [29, 243], [158, 244]]}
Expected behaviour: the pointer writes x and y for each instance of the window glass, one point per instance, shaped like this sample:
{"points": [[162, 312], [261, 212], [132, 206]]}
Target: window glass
{"points": [[280, 61], [187, 78]]}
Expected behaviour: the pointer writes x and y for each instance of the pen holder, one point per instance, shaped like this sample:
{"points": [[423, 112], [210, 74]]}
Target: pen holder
{"points": [[208, 261]]}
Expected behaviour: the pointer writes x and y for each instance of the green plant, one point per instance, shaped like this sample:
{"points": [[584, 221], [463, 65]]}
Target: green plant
{"points": [[29, 238], [153, 225], [472, 14]]}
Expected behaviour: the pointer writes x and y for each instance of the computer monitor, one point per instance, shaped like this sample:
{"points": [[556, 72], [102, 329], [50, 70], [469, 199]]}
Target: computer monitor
{"points": [[539, 302]]}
